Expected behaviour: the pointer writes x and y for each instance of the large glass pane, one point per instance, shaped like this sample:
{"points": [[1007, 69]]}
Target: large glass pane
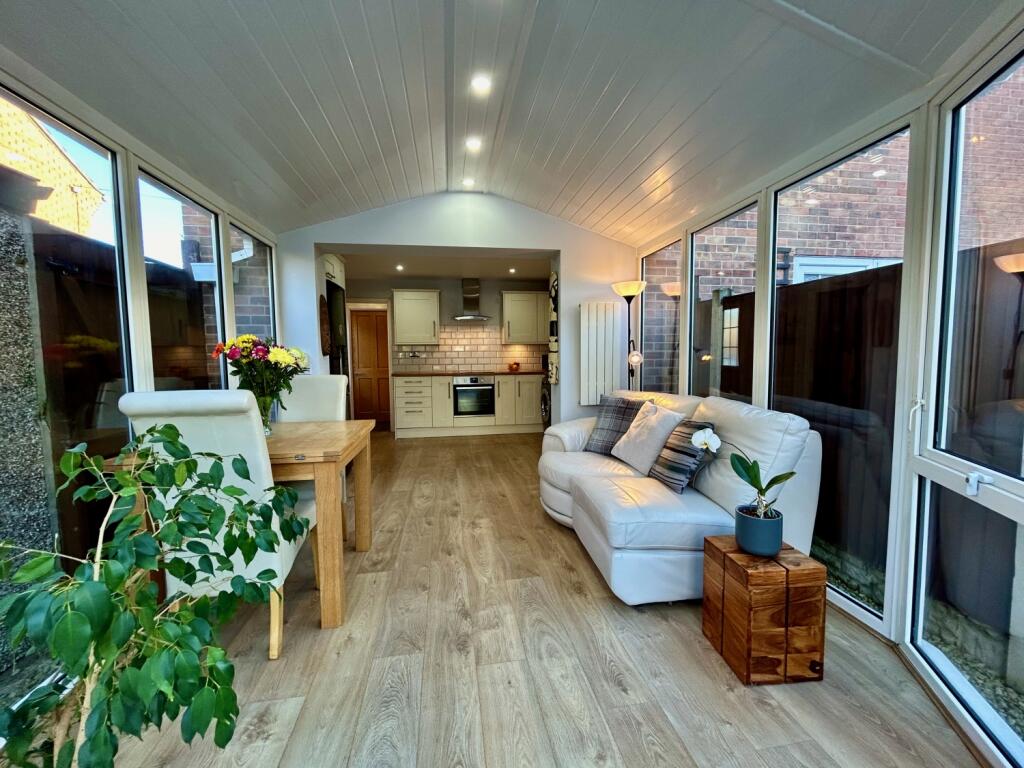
{"points": [[970, 620], [724, 277], [659, 338], [179, 243], [981, 416], [839, 247], [253, 279], [61, 334]]}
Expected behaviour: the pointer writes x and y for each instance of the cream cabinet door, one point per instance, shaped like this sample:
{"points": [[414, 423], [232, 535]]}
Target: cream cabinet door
{"points": [[528, 399], [443, 405], [504, 400], [417, 317], [543, 318], [518, 317]]}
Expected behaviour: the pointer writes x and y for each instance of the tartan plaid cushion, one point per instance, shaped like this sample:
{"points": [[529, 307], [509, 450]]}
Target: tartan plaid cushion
{"points": [[614, 418], [680, 460]]}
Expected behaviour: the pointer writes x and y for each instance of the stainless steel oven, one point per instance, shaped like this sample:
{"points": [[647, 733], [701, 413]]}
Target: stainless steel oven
{"points": [[474, 395]]}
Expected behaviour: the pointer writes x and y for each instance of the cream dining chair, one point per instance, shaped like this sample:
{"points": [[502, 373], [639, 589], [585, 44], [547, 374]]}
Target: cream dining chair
{"points": [[317, 397], [226, 423]]}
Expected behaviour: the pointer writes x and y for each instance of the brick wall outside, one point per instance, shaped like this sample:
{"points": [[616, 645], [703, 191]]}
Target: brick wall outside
{"points": [[252, 288], [197, 247], [660, 343]]}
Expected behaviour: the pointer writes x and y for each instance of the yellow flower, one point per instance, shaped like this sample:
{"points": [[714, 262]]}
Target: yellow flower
{"points": [[245, 341], [281, 357]]}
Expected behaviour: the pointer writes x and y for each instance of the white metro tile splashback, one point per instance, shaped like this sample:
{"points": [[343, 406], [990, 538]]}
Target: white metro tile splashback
{"points": [[467, 347]]}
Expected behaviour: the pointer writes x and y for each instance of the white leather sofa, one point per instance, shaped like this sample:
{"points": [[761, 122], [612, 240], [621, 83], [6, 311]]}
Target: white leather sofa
{"points": [[647, 540]]}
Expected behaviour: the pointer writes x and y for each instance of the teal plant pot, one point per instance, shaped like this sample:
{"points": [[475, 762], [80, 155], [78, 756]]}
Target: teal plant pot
{"points": [[758, 535]]}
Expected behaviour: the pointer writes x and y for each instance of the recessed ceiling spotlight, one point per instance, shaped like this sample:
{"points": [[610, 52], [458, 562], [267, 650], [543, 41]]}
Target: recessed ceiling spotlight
{"points": [[468, 183], [880, 173], [511, 270], [480, 85], [473, 143], [399, 267]]}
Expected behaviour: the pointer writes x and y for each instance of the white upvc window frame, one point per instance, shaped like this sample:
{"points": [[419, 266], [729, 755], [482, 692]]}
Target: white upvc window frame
{"points": [[130, 158]]}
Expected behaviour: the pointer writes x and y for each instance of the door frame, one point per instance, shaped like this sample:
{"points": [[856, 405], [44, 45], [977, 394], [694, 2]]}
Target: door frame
{"points": [[369, 304]]}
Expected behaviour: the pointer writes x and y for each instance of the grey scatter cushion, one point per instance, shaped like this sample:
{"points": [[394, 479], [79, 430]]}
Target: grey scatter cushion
{"points": [[613, 419], [680, 460]]}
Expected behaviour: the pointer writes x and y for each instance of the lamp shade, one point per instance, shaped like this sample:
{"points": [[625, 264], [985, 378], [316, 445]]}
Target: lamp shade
{"points": [[1012, 263], [635, 358], [629, 288], [672, 289]]}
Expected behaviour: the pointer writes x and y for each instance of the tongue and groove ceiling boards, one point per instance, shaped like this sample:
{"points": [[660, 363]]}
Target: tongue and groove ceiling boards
{"points": [[617, 115]]}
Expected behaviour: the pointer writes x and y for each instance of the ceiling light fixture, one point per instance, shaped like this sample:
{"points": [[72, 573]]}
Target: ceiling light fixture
{"points": [[473, 143], [480, 85], [468, 183], [399, 267], [511, 270]]}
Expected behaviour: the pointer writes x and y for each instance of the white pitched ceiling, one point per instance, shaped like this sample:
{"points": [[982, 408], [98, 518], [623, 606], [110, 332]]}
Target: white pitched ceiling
{"points": [[618, 115]]}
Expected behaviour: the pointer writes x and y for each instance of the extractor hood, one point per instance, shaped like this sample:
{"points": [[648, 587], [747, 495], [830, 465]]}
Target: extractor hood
{"points": [[470, 301]]}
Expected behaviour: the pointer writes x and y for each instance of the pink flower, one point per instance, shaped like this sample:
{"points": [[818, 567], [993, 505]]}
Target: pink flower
{"points": [[260, 352], [234, 353]]}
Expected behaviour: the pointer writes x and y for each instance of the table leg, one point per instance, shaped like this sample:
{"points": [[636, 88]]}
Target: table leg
{"points": [[330, 549], [361, 475]]}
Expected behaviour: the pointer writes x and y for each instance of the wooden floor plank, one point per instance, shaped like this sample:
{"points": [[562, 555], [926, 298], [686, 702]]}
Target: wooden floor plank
{"points": [[479, 633]]}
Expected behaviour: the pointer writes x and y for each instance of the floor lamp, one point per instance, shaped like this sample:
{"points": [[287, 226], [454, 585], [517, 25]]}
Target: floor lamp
{"points": [[629, 290]]}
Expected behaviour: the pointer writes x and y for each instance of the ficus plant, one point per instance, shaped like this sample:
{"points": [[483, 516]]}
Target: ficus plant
{"points": [[128, 657]]}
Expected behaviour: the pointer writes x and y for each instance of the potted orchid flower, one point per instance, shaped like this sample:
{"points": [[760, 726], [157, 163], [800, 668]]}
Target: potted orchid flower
{"points": [[758, 524], [263, 367]]}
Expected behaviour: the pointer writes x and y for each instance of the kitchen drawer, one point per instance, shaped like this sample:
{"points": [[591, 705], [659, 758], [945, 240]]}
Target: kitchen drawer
{"points": [[408, 417], [412, 381], [413, 400], [413, 390]]}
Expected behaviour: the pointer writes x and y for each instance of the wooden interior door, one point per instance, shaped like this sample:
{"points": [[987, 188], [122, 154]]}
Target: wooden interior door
{"points": [[371, 357]]}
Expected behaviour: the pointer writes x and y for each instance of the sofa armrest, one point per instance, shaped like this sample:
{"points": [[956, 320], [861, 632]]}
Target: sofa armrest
{"points": [[568, 436]]}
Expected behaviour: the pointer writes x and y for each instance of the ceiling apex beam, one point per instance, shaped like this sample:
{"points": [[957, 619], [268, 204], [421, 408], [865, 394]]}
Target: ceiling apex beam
{"points": [[832, 35]]}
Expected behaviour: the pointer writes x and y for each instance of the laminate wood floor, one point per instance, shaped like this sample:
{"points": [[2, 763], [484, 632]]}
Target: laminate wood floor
{"points": [[479, 634]]}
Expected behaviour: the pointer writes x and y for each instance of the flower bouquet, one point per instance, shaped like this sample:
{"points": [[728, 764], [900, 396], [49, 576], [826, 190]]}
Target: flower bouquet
{"points": [[263, 367]]}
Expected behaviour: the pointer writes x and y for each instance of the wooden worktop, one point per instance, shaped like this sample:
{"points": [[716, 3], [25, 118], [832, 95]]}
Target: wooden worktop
{"points": [[468, 373]]}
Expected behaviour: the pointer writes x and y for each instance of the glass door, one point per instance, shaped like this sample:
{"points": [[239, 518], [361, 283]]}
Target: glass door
{"points": [[968, 611]]}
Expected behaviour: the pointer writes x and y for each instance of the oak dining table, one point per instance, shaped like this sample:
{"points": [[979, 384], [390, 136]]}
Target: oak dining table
{"points": [[320, 451]]}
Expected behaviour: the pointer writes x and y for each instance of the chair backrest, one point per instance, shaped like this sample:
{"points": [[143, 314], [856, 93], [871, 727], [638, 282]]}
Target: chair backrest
{"points": [[315, 397], [226, 423]]}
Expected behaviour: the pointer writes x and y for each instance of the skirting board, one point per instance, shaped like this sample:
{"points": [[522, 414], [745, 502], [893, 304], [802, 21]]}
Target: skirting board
{"points": [[513, 429]]}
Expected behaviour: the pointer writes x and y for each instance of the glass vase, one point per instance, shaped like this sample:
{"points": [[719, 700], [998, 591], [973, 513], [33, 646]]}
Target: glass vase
{"points": [[266, 406]]}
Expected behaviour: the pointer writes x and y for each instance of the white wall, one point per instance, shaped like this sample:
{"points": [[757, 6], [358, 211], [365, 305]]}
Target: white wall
{"points": [[588, 262]]}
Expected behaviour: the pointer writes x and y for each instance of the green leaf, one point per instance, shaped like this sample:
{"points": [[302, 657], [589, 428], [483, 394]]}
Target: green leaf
{"points": [[69, 641], [35, 569], [122, 629], [92, 599], [742, 468], [267, 574], [66, 753], [233, 490], [241, 468], [38, 619], [223, 732], [779, 480], [201, 709], [216, 473], [180, 474], [227, 703], [114, 574]]}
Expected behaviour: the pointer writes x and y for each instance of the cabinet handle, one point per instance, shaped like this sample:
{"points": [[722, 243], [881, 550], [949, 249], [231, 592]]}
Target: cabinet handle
{"points": [[449, 390], [408, 411], [508, 329], [519, 388], [435, 329], [415, 402]]}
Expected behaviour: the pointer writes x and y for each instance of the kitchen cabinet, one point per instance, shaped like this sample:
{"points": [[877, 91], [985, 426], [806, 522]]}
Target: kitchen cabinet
{"points": [[528, 399], [505, 400], [524, 317], [442, 404], [417, 316], [413, 402]]}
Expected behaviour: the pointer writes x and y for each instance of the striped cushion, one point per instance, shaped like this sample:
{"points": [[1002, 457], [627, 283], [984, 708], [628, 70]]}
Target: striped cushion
{"points": [[614, 418], [680, 460]]}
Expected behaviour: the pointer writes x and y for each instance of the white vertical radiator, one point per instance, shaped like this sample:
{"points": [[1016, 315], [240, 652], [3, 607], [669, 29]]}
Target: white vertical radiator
{"points": [[602, 349]]}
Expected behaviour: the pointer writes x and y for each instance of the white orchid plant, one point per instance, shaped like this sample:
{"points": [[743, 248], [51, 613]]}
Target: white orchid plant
{"points": [[748, 471]]}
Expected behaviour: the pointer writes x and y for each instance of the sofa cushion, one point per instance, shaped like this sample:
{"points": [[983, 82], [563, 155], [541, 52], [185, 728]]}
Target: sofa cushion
{"points": [[560, 468], [680, 460], [641, 513], [646, 436], [775, 440], [613, 419], [684, 404]]}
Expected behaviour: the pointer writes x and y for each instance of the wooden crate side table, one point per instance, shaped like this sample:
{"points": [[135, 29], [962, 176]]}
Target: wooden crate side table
{"points": [[766, 616]]}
